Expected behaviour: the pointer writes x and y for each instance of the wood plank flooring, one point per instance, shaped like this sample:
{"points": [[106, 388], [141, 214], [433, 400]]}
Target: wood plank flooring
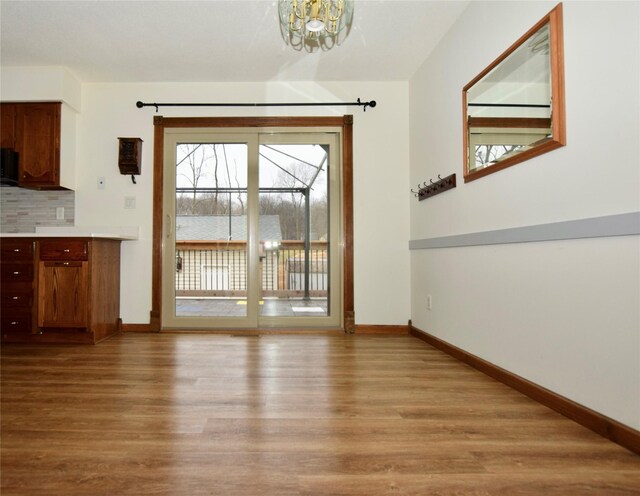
{"points": [[197, 414]]}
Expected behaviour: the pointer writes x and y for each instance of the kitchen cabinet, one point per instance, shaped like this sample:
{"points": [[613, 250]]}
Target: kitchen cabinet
{"points": [[63, 300], [17, 286], [8, 125], [71, 290], [33, 130]]}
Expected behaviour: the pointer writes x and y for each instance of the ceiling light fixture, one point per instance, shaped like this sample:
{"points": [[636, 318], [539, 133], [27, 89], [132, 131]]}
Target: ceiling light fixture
{"points": [[315, 24]]}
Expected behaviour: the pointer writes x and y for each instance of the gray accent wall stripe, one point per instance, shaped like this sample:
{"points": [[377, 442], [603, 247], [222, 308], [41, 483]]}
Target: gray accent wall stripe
{"points": [[596, 227]]}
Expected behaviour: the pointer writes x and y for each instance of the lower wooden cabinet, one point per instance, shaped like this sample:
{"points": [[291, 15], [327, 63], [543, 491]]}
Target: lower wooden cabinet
{"points": [[64, 297], [17, 257], [70, 285]]}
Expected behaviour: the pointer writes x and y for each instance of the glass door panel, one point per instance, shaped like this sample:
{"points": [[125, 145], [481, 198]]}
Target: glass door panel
{"points": [[295, 230], [252, 230], [208, 224], [211, 230]]}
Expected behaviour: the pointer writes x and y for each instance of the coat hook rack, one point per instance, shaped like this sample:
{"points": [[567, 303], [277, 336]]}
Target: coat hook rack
{"points": [[434, 187]]}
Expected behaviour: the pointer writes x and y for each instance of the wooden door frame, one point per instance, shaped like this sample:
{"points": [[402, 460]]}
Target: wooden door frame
{"points": [[345, 122]]}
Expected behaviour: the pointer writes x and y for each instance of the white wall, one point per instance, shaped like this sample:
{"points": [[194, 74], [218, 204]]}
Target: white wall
{"points": [[42, 84], [563, 314], [381, 157]]}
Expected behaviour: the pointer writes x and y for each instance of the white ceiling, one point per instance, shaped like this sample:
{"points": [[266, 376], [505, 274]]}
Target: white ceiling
{"points": [[215, 40]]}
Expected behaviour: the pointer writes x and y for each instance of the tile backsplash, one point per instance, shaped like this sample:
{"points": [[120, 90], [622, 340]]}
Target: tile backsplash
{"points": [[22, 210]]}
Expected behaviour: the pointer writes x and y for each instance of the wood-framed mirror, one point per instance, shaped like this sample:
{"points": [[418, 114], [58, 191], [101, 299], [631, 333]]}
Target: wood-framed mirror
{"points": [[514, 109]]}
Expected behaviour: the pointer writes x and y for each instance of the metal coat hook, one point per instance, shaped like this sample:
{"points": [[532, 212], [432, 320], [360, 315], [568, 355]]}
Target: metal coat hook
{"points": [[433, 188]]}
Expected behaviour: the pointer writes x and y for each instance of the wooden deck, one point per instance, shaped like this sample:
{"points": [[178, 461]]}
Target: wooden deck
{"points": [[197, 414]]}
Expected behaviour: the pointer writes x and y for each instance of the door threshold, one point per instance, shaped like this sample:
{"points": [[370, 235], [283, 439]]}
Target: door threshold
{"points": [[255, 332]]}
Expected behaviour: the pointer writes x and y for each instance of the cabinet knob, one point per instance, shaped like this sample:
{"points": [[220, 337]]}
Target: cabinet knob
{"points": [[15, 298], [17, 250], [65, 263], [15, 322], [16, 272], [66, 250]]}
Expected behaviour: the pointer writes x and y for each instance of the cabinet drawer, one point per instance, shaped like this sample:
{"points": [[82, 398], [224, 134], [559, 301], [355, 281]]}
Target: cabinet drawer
{"points": [[16, 250], [67, 249], [16, 272], [15, 296], [16, 322]]}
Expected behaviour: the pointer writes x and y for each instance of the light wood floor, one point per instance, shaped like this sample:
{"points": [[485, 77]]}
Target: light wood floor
{"points": [[284, 415]]}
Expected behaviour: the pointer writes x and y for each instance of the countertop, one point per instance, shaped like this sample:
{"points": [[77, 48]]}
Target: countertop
{"points": [[120, 233]]}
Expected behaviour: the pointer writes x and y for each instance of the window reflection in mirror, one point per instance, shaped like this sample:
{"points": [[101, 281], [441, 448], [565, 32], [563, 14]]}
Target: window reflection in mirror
{"points": [[514, 109]]}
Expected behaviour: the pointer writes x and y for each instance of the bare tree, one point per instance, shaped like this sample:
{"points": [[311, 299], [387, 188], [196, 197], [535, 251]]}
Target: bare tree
{"points": [[488, 154], [193, 165]]}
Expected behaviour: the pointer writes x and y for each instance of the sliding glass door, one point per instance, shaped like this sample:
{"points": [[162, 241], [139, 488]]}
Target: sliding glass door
{"points": [[252, 229]]}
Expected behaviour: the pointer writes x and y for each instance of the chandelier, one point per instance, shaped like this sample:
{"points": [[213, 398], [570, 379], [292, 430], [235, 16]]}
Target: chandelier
{"points": [[315, 24]]}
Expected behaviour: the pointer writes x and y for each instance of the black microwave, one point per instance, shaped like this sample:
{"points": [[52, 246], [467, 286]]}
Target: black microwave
{"points": [[8, 167]]}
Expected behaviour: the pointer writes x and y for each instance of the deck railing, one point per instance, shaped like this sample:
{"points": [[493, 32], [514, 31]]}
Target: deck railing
{"points": [[220, 269]]}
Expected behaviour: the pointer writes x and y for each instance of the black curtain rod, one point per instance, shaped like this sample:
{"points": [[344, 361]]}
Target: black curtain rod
{"points": [[237, 190], [527, 105], [371, 104]]}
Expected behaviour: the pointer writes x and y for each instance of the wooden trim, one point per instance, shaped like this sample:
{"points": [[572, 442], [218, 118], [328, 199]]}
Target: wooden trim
{"points": [[136, 328], [465, 134], [558, 116], [160, 123], [244, 122], [558, 113], [158, 179], [348, 301], [516, 159], [381, 329], [598, 423]]}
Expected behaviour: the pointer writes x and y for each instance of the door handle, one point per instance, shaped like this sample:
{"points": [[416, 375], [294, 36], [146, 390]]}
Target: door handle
{"points": [[169, 226]]}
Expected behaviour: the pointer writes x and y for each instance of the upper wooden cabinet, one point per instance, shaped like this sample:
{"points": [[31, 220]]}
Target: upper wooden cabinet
{"points": [[33, 130], [8, 125]]}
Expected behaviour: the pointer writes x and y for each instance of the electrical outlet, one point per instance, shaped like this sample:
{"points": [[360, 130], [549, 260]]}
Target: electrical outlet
{"points": [[129, 202], [59, 213], [101, 183], [429, 302]]}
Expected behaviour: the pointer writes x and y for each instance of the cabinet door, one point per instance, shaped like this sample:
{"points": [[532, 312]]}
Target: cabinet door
{"points": [[8, 125], [63, 294], [38, 143]]}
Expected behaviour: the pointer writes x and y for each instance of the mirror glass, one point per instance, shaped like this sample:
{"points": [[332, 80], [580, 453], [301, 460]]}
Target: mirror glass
{"points": [[514, 109]]}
